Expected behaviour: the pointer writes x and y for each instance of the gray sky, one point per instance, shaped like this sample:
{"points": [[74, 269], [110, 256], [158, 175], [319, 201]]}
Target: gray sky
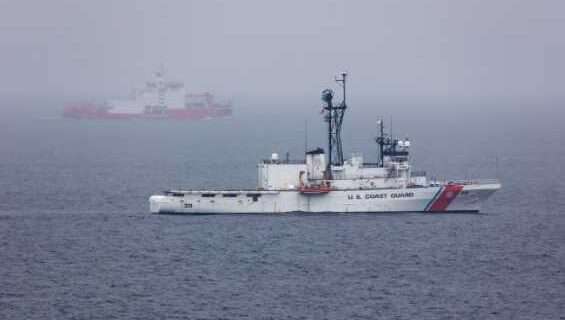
{"points": [[437, 48]]}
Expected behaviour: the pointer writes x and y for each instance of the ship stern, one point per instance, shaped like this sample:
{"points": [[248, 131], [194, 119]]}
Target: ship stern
{"points": [[159, 204]]}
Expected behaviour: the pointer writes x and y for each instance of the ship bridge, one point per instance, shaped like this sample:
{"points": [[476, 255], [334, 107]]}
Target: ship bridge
{"points": [[354, 174]]}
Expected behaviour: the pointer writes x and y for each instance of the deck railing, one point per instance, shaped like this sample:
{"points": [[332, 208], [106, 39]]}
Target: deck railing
{"points": [[476, 181], [283, 161]]}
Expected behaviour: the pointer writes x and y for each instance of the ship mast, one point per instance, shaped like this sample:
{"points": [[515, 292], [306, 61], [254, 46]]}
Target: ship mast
{"points": [[334, 117], [381, 142]]}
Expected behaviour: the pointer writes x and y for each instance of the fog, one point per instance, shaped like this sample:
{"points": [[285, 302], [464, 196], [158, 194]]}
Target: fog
{"points": [[424, 49]]}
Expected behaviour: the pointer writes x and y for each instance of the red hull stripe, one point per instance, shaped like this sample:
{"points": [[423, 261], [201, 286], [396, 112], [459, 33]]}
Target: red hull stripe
{"points": [[449, 193]]}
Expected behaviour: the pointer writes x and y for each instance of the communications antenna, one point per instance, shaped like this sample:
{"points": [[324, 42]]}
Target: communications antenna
{"points": [[334, 116]]}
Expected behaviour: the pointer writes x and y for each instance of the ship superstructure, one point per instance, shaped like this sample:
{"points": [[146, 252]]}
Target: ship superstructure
{"points": [[158, 99], [329, 183]]}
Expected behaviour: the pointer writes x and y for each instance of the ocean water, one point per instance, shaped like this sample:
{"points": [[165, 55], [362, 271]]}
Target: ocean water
{"points": [[77, 240]]}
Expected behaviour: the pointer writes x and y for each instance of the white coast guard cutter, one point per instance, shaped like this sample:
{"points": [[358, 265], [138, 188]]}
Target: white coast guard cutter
{"points": [[329, 183]]}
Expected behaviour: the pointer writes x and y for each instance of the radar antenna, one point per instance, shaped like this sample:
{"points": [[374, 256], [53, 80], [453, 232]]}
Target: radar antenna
{"points": [[334, 116]]}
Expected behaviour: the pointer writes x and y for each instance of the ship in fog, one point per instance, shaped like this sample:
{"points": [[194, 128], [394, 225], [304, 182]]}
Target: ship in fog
{"points": [[158, 99], [327, 182]]}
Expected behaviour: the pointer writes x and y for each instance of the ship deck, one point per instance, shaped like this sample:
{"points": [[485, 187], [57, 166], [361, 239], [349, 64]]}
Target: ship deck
{"points": [[222, 191], [228, 192]]}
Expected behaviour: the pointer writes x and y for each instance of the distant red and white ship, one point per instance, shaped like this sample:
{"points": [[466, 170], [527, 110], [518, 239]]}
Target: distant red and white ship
{"points": [[159, 99]]}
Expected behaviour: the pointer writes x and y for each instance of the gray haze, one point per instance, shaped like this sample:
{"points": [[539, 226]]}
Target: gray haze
{"points": [[424, 48], [463, 79]]}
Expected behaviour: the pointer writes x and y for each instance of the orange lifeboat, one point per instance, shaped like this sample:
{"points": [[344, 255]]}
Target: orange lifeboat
{"points": [[315, 189]]}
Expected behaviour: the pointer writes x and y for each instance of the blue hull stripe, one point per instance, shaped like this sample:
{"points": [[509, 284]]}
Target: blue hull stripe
{"points": [[433, 199]]}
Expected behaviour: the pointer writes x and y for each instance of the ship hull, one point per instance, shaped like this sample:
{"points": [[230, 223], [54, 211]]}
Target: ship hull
{"points": [[446, 198], [98, 113]]}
